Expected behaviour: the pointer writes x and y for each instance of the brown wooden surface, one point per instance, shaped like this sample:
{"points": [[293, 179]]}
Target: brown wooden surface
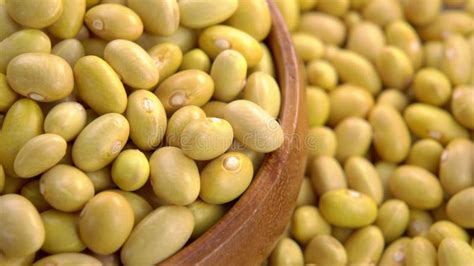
{"points": [[248, 232]]}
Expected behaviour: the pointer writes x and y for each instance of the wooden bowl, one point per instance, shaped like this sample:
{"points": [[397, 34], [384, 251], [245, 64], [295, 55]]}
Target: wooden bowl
{"points": [[248, 232]]}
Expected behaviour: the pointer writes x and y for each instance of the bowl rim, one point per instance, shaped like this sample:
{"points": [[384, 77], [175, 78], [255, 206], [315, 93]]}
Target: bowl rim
{"points": [[276, 183]]}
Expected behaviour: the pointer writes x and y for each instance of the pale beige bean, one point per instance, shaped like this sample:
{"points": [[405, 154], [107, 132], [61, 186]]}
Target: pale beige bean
{"points": [[325, 251], [349, 101], [330, 31], [426, 153], [253, 126], [382, 12], [114, 21], [428, 121], [391, 136], [307, 223], [353, 136], [22, 229], [456, 62], [362, 177], [159, 17], [174, 177], [456, 170], [158, 236], [327, 175], [252, 17], [403, 35], [133, 64], [410, 183], [365, 246], [366, 39], [458, 205], [286, 252], [147, 118], [205, 13], [355, 69]]}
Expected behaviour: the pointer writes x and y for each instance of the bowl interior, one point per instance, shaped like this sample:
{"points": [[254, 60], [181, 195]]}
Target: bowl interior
{"points": [[248, 232]]}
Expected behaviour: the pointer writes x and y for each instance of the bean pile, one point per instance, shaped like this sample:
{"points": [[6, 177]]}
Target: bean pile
{"points": [[390, 176], [128, 127]]}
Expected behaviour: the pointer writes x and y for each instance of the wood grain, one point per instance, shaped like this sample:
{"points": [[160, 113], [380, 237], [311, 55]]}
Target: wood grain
{"points": [[248, 232]]}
